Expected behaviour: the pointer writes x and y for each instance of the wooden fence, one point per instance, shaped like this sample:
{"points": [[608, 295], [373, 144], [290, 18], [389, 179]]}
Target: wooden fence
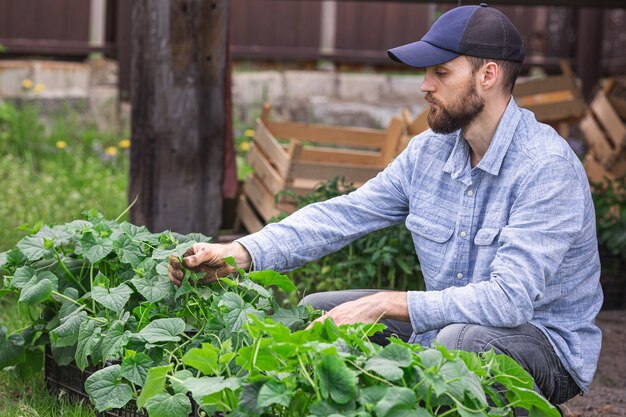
{"points": [[288, 30]]}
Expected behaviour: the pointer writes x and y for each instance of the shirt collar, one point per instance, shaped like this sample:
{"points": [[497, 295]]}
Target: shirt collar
{"points": [[492, 160]]}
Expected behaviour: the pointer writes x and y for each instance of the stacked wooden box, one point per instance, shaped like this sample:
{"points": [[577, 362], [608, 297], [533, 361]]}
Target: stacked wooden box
{"points": [[296, 157], [556, 100], [604, 128]]}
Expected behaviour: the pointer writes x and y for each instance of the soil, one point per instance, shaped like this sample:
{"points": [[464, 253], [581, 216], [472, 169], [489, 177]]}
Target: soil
{"points": [[607, 395]]}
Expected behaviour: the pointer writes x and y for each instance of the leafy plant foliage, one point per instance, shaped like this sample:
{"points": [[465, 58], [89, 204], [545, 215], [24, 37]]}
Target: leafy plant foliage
{"points": [[97, 292]]}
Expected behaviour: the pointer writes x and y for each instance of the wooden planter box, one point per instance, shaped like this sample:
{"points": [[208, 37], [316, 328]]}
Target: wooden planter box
{"points": [[70, 380], [295, 157], [605, 133]]}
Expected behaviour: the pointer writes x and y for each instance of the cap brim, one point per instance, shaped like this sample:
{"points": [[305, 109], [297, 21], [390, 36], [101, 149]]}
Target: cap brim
{"points": [[420, 54]]}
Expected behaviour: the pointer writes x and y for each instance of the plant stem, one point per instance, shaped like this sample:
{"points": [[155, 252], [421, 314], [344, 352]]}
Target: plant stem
{"points": [[308, 378], [76, 281]]}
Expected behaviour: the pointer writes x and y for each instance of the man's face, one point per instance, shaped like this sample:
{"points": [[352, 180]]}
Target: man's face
{"points": [[451, 92]]}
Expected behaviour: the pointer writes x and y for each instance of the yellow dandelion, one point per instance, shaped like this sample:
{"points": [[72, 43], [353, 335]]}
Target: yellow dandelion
{"points": [[39, 88], [111, 151], [124, 144], [27, 84], [244, 146], [249, 133], [61, 144]]}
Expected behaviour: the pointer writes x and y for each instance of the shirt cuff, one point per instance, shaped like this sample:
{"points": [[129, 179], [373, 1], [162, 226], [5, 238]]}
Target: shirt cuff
{"points": [[254, 249], [426, 310]]}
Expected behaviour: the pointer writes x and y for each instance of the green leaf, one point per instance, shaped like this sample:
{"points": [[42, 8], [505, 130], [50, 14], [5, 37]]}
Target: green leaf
{"points": [[267, 278], [12, 349], [153, 289], [398, 401], [166, 405], [95, 248], [179, 387], [372, 395], [204, 359], [33, 248], [389, 362], [107, 390], [461, 382], [155, 383], [231, 301], [248, 398], [22, 275], [177, 251], [274, 392], [336, 379], [536, 405], [202, 387], [163, 330], [508, 372], [235, 319], [128, 251], [135, 368], [114, 341], [290, 318], [66, 334], [88, 339], [36, 291], [114, 298]]}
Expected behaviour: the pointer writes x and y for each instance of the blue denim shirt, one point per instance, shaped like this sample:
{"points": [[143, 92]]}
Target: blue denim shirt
{"points": [[507, 242]]}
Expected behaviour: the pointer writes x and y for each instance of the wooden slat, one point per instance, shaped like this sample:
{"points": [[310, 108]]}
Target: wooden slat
{"points": [[545, 98], [247, 216], [542, 86], [274, 152], [265, 172], [596, 139], [392, 144], [260, 198], [558, 111], [339, 156], [595, 171], [346, 136], [610, 120], [326, 171], [419, 124]]}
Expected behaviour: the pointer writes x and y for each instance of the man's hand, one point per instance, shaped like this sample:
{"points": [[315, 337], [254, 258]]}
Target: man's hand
{"points": [[370, 309], [209, 258]]}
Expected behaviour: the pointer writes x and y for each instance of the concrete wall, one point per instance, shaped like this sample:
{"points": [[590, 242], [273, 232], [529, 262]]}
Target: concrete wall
{"points": [[352, 99]]}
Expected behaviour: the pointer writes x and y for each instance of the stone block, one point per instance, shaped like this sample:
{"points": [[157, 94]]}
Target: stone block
{"points": [[300, 85], [361, 87], [405, 87], [12, 74], [255, 88]]}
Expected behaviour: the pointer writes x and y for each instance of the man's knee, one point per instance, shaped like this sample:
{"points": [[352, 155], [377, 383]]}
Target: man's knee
{"points": [[467, 337], [318, 301]]}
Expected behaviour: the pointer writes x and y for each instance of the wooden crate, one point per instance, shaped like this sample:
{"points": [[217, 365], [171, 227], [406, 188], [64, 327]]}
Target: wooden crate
{"points": [[414, 126], [556, 100], [605, 133], [295, 157]]}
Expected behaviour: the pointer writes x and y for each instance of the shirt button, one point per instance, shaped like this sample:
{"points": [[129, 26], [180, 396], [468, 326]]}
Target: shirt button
{"points": [[463, 234], [470, 193], [459, 275]]}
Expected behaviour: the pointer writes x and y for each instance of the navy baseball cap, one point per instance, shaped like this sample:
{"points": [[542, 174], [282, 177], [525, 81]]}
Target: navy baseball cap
{"points": [[479, 31]]}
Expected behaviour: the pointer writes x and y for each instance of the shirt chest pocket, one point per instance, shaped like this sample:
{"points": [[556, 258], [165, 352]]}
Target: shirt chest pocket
{"points": [[432, 241], [486, 236]]}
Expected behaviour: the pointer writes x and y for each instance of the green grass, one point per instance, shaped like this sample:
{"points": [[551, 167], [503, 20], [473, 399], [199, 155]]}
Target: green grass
{"points": [[50, 171]]}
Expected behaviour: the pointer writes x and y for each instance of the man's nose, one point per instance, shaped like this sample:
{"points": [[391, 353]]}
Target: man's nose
{"points": [[427, 84]]}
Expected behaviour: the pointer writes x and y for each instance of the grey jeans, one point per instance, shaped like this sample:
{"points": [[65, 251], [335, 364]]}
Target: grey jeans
{"points": [[526, 344]]}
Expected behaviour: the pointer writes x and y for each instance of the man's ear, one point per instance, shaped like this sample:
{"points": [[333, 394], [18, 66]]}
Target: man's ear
{"points": [[489, 75]]}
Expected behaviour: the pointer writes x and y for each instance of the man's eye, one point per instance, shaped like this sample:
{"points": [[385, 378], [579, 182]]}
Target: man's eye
{"points": [[440, 73]]}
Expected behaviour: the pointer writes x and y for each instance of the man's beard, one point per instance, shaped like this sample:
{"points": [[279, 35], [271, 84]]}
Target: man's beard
{"points": [[458, 114]]}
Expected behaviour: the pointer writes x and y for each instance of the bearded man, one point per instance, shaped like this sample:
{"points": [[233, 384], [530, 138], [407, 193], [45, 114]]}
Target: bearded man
{"points": [[500, 212]]}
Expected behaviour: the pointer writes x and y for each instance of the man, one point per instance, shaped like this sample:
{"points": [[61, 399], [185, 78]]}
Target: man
{"points": [[499, 208]]}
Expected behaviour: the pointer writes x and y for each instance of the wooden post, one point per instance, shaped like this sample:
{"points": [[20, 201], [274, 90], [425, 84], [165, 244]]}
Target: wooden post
{"points": [[589, 48], [178, 114]]}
